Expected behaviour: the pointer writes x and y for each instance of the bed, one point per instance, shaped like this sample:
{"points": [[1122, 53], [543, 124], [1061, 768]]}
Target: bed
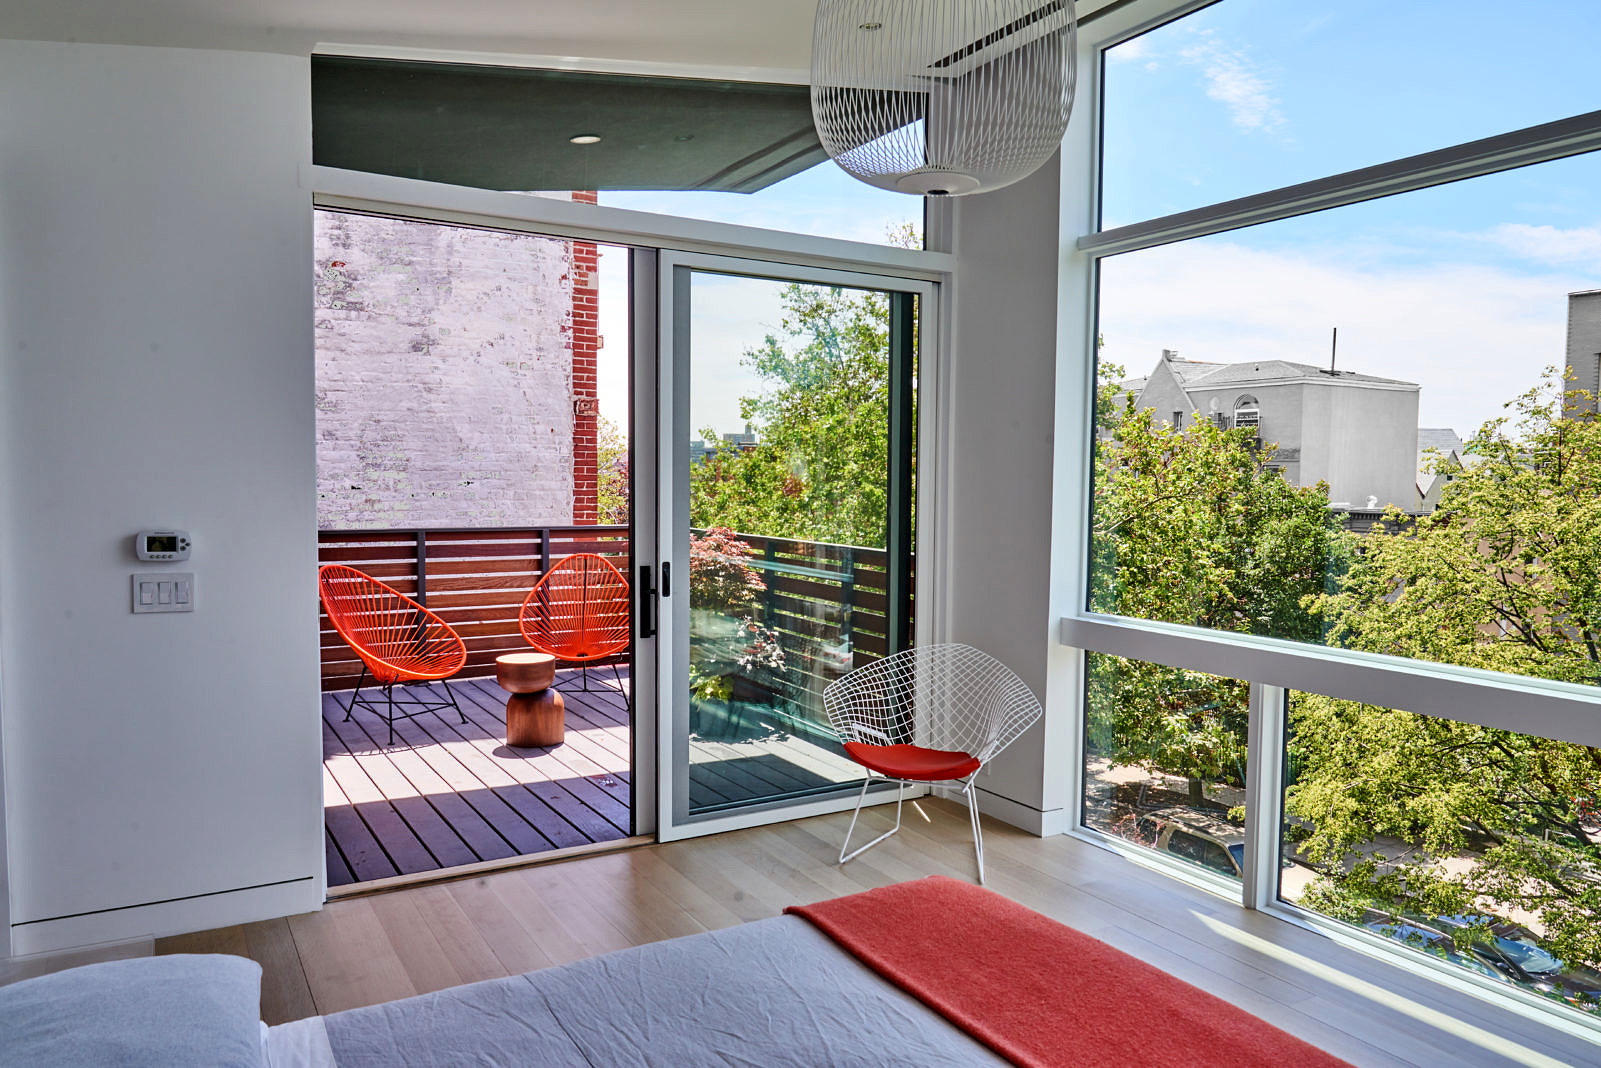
{"points": [[931, 972]]}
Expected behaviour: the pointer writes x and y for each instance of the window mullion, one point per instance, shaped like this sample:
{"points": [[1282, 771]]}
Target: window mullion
{"points": [[1520, 148], [1264, 778]]}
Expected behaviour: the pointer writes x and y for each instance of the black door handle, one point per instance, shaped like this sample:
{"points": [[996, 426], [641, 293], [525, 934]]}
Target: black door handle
{"points": [[647, 603]]}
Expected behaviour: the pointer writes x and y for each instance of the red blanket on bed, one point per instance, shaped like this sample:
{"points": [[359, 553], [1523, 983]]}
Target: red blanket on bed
{"points": [[1039, 993]]}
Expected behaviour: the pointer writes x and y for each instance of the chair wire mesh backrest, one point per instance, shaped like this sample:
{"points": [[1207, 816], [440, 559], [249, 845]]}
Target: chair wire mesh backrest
{"points": [[394, 635], [579, 610], [951, 697]]}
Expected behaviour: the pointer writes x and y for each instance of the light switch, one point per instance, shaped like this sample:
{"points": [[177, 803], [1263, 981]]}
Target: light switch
{"points": [[163, 591]]}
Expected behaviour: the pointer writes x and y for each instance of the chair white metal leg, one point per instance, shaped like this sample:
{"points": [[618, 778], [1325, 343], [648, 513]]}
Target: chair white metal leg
{"points": [[978, 832], [900, 795]]}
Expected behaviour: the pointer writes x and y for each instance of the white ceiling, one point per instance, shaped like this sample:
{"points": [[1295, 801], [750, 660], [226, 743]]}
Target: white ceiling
{"points": [[772, 34], [733, 37]]}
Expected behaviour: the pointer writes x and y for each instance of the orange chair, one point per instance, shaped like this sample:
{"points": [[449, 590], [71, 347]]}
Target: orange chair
{"points": [[579, 612], [398, 640]]}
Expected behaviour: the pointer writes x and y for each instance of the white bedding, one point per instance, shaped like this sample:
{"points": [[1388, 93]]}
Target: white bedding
{"points": [[776, 993]]}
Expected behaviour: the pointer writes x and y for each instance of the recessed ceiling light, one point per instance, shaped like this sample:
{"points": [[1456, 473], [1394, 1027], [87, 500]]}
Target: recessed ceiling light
{"points": [[585, 139], [871, 26]]}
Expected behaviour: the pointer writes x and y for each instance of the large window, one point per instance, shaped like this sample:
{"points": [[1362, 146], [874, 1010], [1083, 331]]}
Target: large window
{"points": [[1374, 450], [1250, 95], [1342, 615], [1165, 760], [1475, 845]]}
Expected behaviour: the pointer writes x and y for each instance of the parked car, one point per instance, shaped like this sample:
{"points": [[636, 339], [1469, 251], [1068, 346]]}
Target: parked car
{"points": [[1498, 948], [1196, 837]]}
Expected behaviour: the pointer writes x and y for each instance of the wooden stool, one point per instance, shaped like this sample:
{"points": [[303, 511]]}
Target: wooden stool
{"points": [[535, 714]]}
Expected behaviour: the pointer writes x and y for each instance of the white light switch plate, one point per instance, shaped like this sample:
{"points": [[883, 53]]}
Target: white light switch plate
{"points": [[163, 591]]}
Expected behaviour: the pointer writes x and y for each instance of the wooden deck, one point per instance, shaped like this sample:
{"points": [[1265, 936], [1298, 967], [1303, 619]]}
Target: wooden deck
{"points": [[448, 793]]}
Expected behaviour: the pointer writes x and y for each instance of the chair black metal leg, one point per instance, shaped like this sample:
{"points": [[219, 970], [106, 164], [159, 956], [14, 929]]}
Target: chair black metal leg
{"points": [[452, 695], [352, 706], [628, 701], [389, 692]]}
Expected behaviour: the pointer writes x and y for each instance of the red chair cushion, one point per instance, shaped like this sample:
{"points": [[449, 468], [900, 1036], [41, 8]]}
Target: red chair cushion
{"points": [[913, 761]]}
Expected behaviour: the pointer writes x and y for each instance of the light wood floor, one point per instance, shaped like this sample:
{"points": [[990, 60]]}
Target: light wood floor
{"points": [[370, 949]]}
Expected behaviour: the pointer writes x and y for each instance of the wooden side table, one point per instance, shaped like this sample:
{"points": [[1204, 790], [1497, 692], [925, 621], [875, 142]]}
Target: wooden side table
{"points": [[535, 714]]}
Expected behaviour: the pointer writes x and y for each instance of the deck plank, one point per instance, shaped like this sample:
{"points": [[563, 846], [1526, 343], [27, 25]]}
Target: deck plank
{"points": [[447, 793], [456, 800], [439, 839]]}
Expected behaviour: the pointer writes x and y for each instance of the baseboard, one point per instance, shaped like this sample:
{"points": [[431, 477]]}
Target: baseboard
{"points": [[16, 969], [1015, 813], [158, 920]]}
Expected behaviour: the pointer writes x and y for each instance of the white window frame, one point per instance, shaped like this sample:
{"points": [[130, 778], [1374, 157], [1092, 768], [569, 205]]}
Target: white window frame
{"points": [[1273, 667]]}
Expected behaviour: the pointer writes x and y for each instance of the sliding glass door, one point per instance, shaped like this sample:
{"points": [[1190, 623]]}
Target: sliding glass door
{"points": [[787, 436]]}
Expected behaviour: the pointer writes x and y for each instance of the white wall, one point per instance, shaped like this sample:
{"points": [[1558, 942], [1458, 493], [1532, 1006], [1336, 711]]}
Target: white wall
{"points": [[156, 342], [1003, 413]]}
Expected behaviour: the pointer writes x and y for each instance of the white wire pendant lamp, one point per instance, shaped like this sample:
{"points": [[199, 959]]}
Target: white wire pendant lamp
{"points": [[942, 97]]}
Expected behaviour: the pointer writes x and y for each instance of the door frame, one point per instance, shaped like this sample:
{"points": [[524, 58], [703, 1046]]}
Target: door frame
{"points": [[671, 446]]}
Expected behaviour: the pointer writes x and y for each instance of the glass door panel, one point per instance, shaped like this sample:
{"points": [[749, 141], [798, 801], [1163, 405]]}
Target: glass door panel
{"points": [[790, 470]]}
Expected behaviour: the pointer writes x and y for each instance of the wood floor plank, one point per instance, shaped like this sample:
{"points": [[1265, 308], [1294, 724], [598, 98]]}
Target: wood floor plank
{"points": [[514, 947], [348, 958], [285, 992]]}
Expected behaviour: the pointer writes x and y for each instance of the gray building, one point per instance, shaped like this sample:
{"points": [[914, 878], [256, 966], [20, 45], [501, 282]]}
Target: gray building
{"points": [[1358, 433], [1584, 348]]}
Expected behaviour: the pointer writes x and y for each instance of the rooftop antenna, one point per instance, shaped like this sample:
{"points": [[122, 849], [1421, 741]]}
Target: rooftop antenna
{"points": [[1334, 349]]}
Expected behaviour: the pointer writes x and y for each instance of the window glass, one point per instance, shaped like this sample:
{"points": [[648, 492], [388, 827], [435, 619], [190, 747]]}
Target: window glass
{"points": [[1389, 441], [1250, 95], [823, 201], [1478, 846], [1164, 762]]}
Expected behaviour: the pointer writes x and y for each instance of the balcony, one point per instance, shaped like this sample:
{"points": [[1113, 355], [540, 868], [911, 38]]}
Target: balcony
{"points": [[448, 794]]}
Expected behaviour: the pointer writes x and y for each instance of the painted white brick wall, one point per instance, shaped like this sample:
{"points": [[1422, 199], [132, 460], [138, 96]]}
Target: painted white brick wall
{"points": [[444, 376]]}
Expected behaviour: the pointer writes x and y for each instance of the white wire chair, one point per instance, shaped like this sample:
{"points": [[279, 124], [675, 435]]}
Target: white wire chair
{"points": [[933, 713]]}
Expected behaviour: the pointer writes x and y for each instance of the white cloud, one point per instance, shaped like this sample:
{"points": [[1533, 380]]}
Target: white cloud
{"points": [[1130, 50], [1473, 336], [1549, 244], [1234, 81]]}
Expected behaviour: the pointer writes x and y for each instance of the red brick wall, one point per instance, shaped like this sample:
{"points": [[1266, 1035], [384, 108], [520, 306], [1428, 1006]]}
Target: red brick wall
{"points": [[586, 350]]}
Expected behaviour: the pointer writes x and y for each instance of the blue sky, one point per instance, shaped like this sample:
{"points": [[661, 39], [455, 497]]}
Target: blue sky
{"points": [[1461, 288]]}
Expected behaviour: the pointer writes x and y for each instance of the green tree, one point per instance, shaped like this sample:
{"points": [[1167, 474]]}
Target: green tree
{"points": [[611, 474], [1404, 812], [1194, 525], [822, 420]]}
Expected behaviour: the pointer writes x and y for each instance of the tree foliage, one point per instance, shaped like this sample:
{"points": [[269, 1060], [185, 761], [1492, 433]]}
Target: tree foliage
{"points": [[820, 469], [1194, 525], [1396, 812], [611, 475], [1503, 576]]}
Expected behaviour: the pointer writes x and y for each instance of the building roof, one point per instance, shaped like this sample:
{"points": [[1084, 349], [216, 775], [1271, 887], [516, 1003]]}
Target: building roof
{"points": [[1444, 442], [1443, 438], [1232, 374]]}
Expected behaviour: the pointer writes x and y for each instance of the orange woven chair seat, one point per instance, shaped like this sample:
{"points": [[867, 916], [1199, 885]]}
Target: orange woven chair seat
{"points": [[396, 638], [913, 761], [579, 610]]}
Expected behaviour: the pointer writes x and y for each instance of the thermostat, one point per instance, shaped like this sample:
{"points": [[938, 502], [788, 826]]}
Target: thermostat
{"points": [[161, 545]]}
